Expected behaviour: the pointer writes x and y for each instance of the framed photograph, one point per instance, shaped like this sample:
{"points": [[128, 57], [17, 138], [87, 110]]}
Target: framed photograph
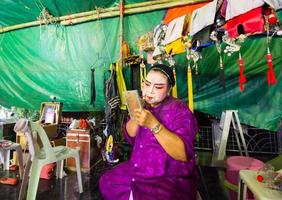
{"points": [[47, 114], [50, 117], [50, 112]]}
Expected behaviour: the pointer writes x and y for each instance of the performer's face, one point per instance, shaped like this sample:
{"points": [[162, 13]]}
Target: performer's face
{"points": [[155, 88]]}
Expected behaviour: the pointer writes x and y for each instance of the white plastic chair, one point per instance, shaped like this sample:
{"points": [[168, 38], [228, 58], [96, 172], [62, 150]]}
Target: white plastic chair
{"points": [[42, 156], [5, 152]]}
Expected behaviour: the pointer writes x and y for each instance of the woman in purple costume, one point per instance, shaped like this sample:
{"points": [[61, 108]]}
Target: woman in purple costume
{"points": [[162, 164]]}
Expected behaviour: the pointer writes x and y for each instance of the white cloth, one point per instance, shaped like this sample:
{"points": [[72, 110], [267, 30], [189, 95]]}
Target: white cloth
{"points": [[159, 33], [238, 7], [203, 17], [276, 4], [174, 30], [22, 126], [74, 124]]}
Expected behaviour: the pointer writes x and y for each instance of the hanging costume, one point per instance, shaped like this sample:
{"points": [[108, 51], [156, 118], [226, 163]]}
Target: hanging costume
{"points": [[111, 105], [151, 173], [93, 91]]}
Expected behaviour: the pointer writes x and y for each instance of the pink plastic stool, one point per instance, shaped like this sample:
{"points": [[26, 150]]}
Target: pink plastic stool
{"points": [[236, 163]]}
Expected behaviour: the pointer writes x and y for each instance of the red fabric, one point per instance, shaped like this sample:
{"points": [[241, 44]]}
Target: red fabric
{"points": [[252, 22], [223, 8], [271, 79], [242, 79], [174, 13], [83, 124], [9, 181], [48, 171], [13, 167]]}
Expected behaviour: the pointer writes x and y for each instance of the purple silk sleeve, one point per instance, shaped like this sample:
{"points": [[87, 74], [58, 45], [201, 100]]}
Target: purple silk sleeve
{"points": [[185, 126], [126, 136]]}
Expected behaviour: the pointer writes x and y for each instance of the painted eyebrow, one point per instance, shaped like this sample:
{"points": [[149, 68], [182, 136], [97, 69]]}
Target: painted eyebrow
{"points": [[148, 81], [157, 84], [160, 84]]}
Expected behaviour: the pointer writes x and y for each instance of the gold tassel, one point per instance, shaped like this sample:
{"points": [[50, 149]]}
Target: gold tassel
{"points": [[121, 85], [143, 73], [174, 88], [190, 88]]}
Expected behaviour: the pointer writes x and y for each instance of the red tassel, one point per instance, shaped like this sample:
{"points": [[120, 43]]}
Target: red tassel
{"points": [[272, 19], [271, 79], [242, 79]]}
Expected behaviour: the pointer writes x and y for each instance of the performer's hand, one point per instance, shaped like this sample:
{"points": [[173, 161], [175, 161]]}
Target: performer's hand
{"points": [[145, 118]]}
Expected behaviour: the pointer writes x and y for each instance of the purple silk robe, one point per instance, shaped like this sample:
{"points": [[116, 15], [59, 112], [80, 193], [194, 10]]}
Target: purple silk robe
{"points": [[151, 173]]}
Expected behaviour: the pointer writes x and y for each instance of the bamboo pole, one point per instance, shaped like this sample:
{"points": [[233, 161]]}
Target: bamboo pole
{"points": [[126, 7], [132, 10], [19, 26], [90, 18], [116, 8], [106, 13]]}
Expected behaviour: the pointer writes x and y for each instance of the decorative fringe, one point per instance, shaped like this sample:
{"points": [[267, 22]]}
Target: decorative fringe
{"points": [[174, 88], [271, 79], [242, 79]]}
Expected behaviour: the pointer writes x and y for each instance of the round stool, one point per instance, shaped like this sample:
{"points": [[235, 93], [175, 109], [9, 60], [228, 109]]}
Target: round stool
{"points": [[236, 163]]}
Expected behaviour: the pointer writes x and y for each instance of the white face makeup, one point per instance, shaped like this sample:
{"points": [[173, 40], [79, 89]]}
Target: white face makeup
{"points": [[155, 88]]}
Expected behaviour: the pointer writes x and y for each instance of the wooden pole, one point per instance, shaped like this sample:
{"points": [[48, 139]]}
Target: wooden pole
{"points": [[106, 13], [121, 11]]}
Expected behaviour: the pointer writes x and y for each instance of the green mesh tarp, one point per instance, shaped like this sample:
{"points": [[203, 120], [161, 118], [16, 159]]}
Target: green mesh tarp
{"points": [[259, 105], [41, 61]]}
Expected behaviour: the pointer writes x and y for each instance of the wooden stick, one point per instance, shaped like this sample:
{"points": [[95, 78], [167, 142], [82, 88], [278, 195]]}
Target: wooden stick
{"points": [[121, 11]]}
